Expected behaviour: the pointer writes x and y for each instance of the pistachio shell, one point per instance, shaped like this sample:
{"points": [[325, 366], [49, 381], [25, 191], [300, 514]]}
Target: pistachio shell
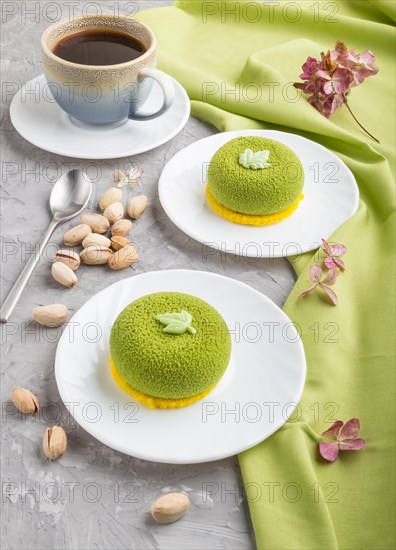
{"points": [[119, 175], [77, 234], [54, 442], [126, 256], [118, 242], [137, 205], [25, 401], [114, 212], [170, 507], [97, 222], [63, 274], [113, 194], [95, 255], [121, 228], [94, 239], [69, 258], [53, 315]]}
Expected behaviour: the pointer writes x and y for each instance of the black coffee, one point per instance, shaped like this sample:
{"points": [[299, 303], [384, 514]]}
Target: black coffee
{"points": [[99, 48]]}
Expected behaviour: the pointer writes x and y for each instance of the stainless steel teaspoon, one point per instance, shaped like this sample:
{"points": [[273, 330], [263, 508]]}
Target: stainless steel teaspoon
{"points": [[69, 197]]}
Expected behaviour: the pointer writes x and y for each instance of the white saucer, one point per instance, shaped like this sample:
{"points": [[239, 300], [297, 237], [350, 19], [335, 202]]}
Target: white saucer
{"points": [[331, 196], [42, 122], [262, 385]]}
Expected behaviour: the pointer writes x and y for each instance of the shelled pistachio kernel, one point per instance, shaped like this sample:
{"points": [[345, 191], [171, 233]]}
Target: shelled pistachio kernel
{"points": [[170, 508]]}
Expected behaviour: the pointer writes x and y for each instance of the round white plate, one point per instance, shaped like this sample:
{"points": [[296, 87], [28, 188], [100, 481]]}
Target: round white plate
{"points": [[331, 196], [40, 120], [260, 389]]}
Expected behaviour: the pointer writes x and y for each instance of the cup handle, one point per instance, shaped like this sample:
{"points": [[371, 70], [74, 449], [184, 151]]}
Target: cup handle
{"points": [[168, 89]]}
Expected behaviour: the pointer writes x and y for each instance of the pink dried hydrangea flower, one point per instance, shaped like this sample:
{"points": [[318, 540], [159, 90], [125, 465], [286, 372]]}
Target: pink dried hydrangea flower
{"points": [[329, 81], [344, 438], [333, 254], [315, 276]]}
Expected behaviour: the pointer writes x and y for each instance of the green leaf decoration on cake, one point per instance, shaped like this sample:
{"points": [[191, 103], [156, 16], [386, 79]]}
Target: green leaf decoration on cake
{"points": [[256, 161], [176, 323]]}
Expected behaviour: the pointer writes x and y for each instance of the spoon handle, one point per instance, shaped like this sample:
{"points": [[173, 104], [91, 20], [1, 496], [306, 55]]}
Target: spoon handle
{"points": [[15, 293]]}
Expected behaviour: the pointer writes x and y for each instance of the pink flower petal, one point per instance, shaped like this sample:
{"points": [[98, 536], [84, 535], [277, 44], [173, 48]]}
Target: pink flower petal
{"points": [[331, 276], [323, 74], [328, 87], [332, 295], [315, 273], [308, 291], [332, 102], [309, 68], [352, 56], [340, 47], [353, 445], [338, 250], [350, 429], [329, 451], [326, 247], [330, 263], [339, 263], [334, 430]]}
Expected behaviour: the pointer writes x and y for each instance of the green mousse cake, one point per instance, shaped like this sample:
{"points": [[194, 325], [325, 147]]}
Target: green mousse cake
{"points": [[256, 177], [170, 346]]}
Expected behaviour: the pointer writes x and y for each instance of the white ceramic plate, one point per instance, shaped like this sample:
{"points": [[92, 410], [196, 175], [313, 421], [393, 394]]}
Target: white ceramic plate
{"points": [[43, 123], [330, 191], [262, 385]]}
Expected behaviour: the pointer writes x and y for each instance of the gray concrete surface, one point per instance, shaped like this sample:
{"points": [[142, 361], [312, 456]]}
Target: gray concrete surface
{"points": [[94, 497]]}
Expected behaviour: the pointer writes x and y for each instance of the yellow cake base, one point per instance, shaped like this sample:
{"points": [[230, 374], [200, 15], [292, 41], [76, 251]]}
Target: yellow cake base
{"points": [[155, 402], [247, 219]]}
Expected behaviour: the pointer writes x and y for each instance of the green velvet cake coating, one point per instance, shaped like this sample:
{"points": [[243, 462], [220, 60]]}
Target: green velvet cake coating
{"points": [[170, 365], [255, 192]]}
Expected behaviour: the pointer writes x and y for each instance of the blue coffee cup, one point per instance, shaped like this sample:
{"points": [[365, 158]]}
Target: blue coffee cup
{"points": [[104, 94]]}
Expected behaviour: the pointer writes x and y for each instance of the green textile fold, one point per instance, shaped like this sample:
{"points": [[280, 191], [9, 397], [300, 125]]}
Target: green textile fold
{"points": [[238, 73]]}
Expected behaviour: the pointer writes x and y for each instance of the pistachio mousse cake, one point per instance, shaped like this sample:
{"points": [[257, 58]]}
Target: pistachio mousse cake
{"points": [[169, 349], [255, 181]]}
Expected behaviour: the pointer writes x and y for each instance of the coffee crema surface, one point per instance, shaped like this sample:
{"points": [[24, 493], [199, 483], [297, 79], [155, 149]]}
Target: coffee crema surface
{"points": [[99, 48]]}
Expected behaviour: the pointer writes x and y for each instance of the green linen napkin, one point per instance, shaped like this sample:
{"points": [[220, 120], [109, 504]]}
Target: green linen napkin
{"points": [[226, 58]]}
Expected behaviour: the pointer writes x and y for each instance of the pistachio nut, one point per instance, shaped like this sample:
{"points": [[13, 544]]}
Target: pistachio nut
{"points": [[54, 442], [77, 234], [94, 239], [114, 212], [25, 401], [118, 242], [97, 222], [169, 508], [126, 256], [121, 228], [63, 274], [96, 255], [69, 258], [53, 315], [137, 205], [113, 194]]}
